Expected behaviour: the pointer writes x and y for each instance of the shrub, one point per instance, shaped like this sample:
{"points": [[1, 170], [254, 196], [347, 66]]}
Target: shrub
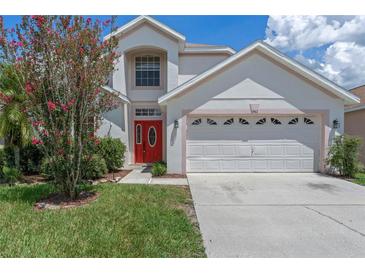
{"points": [[11, 174], [112, 150], [30, 158], [93, 167], [2, 162], [159, 169], [343, 155]]}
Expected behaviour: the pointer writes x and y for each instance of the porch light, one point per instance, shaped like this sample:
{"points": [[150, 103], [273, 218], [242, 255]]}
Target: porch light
{"points": [[176, 124], [336, 123], [254, 108]]}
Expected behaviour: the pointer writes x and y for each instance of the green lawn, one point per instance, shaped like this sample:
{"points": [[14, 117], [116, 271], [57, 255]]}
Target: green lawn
{"points": [[125, 221], [360, 179]]}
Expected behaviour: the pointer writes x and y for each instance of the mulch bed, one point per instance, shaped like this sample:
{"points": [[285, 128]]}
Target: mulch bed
{"points": [[173, 176], [59, 200]]}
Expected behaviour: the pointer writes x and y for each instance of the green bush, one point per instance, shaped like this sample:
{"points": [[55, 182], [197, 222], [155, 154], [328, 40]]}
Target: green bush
{"points": [[11, 174], [343, 155], [159, 169], [2, 162], [46, 167], [112, 150], [30, 158], [93, 167]]}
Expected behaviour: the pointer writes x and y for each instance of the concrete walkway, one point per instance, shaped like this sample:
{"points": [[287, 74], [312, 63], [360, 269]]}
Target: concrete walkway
{"points": [[142, 175], [279, 215]]}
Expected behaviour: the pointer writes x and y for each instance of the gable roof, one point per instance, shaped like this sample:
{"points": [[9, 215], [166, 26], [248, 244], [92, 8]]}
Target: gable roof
{"points": [[122, 97], [146, 19], [274, 54]]}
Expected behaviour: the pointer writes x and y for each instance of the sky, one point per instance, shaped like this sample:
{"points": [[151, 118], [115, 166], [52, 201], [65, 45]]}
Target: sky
{"points": [[333, 46]]}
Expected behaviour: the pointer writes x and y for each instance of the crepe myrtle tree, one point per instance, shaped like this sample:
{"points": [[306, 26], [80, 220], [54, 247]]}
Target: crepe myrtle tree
{"points": [[61, 63]]}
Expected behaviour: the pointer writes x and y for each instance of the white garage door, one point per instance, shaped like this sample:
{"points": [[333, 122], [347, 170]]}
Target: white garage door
{"points": [[253, 144]]}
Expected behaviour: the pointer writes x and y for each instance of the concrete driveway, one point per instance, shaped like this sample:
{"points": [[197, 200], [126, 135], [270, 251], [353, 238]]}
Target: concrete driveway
{"points": [[279, 215]]}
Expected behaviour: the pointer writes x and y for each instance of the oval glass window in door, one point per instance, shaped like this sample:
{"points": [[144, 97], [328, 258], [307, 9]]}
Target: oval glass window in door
{"points": [[152, 136]]}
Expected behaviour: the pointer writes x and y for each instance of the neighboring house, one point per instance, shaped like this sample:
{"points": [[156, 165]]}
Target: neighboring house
{"points": [[205, 108], [355, 119]]}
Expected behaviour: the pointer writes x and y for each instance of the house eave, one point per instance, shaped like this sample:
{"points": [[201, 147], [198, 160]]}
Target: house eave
{"points": [[276, 55], [355, 108], [120, 96]]}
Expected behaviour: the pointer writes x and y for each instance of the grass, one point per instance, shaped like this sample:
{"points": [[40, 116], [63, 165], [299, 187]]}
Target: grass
{"points": [[360, 179], [125, 221]]}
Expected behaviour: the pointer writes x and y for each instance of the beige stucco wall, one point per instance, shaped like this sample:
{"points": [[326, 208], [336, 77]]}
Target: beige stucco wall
{"points": [[355, 126]]}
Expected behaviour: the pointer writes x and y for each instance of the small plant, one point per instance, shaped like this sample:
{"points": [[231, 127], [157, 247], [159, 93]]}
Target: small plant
{"points": [[11, 175], [112, 150], [159, 169], [93, 167], [343, 155]]}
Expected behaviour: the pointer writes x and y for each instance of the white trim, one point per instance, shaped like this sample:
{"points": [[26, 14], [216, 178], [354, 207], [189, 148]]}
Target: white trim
{"points": [[122, 97], [142, 19], [356, 108], [276, 55], [226, 50]]}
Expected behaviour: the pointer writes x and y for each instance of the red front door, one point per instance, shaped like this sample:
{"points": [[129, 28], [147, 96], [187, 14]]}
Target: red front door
{"points": [[147, 141]]}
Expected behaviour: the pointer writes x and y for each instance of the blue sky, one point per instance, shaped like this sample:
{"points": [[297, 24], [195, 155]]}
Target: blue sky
{"points": [[334, 46], [234, 31]]}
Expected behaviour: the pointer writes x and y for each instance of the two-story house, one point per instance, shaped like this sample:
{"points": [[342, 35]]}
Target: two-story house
{"points": [[206, 108]]}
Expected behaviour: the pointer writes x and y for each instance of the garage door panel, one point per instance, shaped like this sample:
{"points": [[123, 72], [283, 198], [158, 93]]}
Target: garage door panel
{"points": [[229, 150], [211, 150], [253, 148], [293, 150], [212, 165], [244, 165], [259, 150], [276, 150], [195, 150], [277, 164], [229, 165], [244, 150]]}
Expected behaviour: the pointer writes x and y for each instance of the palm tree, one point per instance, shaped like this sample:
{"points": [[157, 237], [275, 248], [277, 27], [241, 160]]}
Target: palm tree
{"points": [[15, 128]]}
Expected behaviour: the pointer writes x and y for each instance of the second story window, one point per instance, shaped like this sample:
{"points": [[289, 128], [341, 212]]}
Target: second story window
{"points": [[148, 71]]}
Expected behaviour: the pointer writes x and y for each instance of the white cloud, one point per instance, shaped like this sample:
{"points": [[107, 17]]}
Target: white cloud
{"points": [[343, 61]]}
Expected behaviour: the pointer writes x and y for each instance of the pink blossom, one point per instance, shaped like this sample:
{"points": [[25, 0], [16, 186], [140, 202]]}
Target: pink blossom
{"points": [[19, 59], [36, 141], [20, 44], [64, 107], [29, 88], [51, 106], [45, 132], [71, 102], [106, 23], [88, 20]]}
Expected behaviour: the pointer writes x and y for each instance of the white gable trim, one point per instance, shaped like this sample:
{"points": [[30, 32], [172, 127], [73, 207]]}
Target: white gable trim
{"points": [[226, 50], [122, 97], [274, 54], [142, 19], [355, 108]]}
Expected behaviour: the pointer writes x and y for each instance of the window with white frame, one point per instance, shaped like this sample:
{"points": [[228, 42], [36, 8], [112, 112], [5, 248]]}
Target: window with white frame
{"points": [[147, 72], [152, 112]]}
